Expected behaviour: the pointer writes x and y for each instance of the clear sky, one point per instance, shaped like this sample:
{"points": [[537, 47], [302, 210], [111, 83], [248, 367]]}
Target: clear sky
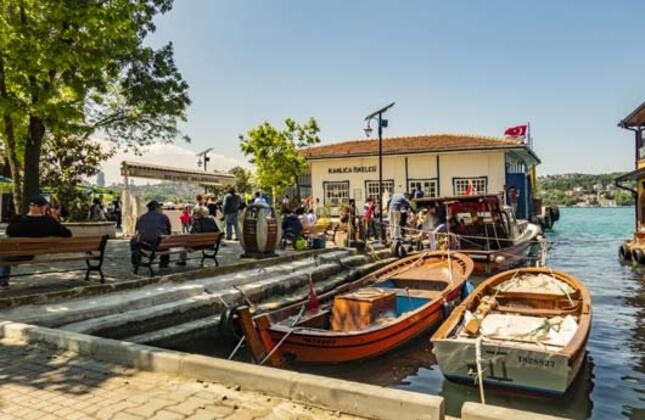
{"points": [[573, 69]]}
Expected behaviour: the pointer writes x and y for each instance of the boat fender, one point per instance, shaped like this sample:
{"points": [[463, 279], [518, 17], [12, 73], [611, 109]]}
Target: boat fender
{"points": [[548, 220], [624, 253], [447, 308], [638, 256], [556, 213], [229, 327], [467, 289]]}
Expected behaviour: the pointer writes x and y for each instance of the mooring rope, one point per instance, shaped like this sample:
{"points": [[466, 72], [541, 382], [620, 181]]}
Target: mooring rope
{"points": [[239, 344], [480, 375]]}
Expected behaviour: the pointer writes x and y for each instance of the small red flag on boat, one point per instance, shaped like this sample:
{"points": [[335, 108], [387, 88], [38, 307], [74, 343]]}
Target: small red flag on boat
{"points": [[517, 131], [312, 302]]}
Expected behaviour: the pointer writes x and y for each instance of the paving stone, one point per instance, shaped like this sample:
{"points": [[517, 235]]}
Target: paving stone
{"points": [[49, 388]]}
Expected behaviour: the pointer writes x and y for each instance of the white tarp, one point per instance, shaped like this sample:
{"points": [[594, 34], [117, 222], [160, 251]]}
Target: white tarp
{"points": [[531, 283]]}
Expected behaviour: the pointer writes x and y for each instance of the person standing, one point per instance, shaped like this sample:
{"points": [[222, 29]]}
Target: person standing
{"points": [[369, 211], [231, 207], [97, 213], [185, 218], [36, 224], [397, 202]]}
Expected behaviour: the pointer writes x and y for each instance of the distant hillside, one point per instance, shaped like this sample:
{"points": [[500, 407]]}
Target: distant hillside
{"points": [[589, 189]]}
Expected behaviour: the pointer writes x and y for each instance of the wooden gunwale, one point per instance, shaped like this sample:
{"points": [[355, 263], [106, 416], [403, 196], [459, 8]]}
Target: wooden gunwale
{"points": [[577, 343], [308, 343]]}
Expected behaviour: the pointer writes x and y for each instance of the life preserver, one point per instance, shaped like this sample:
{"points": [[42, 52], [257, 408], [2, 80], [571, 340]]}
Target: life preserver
{"points": [[624, 253]]}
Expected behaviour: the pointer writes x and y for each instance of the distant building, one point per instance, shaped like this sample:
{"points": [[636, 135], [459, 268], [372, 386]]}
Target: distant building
{"points": [[100, 179]]}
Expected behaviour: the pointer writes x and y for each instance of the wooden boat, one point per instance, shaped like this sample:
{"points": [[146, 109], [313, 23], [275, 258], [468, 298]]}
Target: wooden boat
{"points": [[531, 326], [365, 318], [483, 228]]}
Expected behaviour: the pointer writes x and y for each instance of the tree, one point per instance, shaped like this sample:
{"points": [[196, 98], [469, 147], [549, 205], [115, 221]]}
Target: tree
{"points": [[276, 154], [69, 159], [243, 177], [70, 67], [623, 198]]}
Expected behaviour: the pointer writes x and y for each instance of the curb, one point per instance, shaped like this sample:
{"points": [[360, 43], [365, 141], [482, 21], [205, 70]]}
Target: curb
{"points": [[333, 394], [97, 289], [476, 411]]}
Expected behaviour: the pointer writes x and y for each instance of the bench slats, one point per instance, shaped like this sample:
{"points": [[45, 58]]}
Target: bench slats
{"points": [[15, 247]]}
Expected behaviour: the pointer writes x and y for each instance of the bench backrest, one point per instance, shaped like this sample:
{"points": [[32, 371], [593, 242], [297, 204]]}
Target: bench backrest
{"points": [[16, 247], [193, 240]]}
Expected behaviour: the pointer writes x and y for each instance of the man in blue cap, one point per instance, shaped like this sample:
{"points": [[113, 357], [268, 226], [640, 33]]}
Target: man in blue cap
{"points": [[35, 224]]}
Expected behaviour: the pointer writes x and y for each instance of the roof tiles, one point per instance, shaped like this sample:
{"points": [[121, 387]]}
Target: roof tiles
{"points": [[410, 144]]}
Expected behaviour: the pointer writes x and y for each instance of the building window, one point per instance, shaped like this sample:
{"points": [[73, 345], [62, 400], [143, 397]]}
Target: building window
{"points": [[336, 193], [371, 188], [460, 185], [428, 186]]}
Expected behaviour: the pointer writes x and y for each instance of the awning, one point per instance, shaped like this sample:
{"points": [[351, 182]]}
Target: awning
{"points": [[635, 119], [169, 173], [636, 175]]}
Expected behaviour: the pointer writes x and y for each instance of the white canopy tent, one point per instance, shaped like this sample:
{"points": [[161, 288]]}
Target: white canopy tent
{"points": [[132, 208]]}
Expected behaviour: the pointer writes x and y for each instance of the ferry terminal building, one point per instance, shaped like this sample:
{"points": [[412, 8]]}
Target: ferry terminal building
{"points": [[438, 164]]}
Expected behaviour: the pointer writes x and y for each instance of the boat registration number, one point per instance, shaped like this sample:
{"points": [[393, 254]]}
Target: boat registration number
{"points": [[527, 360]]}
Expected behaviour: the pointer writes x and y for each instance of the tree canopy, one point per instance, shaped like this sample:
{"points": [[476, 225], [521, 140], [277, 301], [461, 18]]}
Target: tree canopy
{"points": [[276, 153], [70, 67]]}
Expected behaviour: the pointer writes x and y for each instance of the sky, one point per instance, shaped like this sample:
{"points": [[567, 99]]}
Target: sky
{"points": [[571, 69]]}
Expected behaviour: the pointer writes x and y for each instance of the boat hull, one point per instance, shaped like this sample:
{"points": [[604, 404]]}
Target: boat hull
{"points": [[494, 261], [331, 348], [511, 367]]}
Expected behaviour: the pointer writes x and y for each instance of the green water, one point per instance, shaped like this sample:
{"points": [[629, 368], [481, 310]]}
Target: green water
{"points": [[611, 383]]}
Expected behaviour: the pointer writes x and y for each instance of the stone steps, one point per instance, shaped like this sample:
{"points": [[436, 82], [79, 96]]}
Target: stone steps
{"points": [[211, 302], [209, 326], [77, 310]]}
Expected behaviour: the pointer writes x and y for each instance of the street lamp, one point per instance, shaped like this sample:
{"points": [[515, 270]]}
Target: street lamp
{"points": [[378, 116], [203, 158]]}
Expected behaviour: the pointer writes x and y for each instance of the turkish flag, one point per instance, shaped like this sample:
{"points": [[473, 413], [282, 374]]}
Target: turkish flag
{"points": [[517, 131]]}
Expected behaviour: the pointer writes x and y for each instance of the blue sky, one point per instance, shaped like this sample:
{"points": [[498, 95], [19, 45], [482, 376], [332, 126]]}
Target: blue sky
{"points": [[573, 69]]}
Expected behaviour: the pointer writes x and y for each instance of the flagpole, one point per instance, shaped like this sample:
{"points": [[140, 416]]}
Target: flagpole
{"points": [[528, 133]]}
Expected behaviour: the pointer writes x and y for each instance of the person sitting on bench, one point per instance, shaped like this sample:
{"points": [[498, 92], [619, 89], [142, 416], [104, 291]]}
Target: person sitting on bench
{"points": [[202, 221], [149, 229], [36, 224]]}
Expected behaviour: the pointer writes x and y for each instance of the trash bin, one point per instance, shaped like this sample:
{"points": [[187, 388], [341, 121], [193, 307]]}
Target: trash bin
{"points": [[259, 228]]}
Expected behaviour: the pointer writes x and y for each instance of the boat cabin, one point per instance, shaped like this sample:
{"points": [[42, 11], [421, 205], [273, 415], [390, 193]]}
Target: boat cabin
{"points": [[479, 221]]}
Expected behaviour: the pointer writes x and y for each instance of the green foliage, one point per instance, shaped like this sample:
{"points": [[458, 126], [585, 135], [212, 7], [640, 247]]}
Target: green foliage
{"points": [[243, 177], [624, 198], [564, 189], [70, 67], [67, 160], [275, 153]]}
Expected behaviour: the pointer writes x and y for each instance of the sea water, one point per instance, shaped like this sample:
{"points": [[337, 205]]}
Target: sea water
{"points": [[611, 383]]}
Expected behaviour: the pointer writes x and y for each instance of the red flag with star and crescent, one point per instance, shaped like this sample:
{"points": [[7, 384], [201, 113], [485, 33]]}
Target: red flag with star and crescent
{"points": [[519, 131]]}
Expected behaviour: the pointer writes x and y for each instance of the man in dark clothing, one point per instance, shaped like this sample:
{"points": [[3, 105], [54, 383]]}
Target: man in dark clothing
{"points": [[231, 207], [291, 226], [36, 224], [148, 232]]}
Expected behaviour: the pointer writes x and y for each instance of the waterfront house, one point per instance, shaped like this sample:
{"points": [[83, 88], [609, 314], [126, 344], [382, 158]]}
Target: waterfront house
{"points": [[437, 164]]}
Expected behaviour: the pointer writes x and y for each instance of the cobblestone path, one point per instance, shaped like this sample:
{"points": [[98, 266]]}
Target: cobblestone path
{"points": [[38, 382]]}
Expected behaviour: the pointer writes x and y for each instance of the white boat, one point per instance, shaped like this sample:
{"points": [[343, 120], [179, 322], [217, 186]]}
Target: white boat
{"points": [[529, 326]]}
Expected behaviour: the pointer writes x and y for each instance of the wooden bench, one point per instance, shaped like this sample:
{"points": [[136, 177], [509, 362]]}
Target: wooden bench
{"points": [[207, 243], [29, 251]]}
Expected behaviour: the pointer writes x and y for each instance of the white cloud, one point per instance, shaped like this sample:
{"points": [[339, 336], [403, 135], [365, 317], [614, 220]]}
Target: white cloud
{"points": [[164, 154]]}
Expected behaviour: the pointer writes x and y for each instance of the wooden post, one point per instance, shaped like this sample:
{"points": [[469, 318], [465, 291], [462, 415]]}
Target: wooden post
{"points": [[264, 323], [257, 349]]}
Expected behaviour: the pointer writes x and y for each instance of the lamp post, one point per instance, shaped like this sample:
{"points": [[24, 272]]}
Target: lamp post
{"points": [[378, 116], [203, 159]]}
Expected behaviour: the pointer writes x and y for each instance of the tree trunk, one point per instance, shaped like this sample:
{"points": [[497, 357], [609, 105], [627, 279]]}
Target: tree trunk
{"points": [[10, 146], [31, 184], [14, 166]]}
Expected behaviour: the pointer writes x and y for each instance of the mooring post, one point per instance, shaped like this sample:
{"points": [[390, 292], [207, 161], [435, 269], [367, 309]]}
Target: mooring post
{"points": [[252, 337]]}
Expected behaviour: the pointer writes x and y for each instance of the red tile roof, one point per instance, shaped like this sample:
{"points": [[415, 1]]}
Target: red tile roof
{"points": [[411, 144]]}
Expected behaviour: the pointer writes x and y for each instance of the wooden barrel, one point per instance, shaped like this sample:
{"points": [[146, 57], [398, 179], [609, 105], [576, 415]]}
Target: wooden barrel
{"points": [[259, 231]]}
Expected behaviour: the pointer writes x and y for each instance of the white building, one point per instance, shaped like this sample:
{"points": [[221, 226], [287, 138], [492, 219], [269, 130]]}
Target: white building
{"points": [[438, 164]]}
